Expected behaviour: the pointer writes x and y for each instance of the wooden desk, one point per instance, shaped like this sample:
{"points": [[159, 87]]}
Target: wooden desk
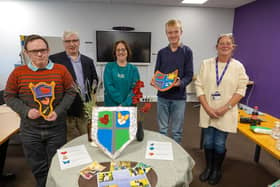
{"points": [[9, 125], [262, 140]]}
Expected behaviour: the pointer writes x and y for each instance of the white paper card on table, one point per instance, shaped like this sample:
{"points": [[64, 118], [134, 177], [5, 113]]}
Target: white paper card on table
{"points": [[73, 156], [159, 150]]}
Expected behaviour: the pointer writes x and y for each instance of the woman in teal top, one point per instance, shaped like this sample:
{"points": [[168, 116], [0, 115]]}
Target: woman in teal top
{"points": [[120, 77]]}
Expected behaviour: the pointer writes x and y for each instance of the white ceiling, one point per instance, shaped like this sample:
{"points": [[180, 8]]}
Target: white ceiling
{"points": [[209, 3]]}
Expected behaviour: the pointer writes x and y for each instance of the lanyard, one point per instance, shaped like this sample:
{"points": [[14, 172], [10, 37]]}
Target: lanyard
{"points": [[219, 80]]}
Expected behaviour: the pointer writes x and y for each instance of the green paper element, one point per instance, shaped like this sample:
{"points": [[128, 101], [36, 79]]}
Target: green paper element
{"points": [[101, 115], [122, 136]]}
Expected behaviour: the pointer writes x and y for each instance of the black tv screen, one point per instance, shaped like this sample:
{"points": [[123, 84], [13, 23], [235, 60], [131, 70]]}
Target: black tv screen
{"points": [[139, 43]]}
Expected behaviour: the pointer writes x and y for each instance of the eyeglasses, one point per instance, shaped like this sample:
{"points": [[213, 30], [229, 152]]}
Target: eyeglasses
{"points": [[71, 41], [225, 44], [37, 51], [121, 50]]}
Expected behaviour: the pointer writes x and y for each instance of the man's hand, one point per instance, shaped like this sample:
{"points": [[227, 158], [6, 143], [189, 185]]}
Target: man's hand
{"points": [[177, 82], [52, 116], [152, 83], [33, 113]]}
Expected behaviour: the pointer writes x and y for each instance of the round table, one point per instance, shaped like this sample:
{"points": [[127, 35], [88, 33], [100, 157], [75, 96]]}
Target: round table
{"points": [[177, 172]]}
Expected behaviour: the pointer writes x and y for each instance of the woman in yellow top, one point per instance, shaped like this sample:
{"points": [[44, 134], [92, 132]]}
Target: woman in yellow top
{"points": [[220, 85]]}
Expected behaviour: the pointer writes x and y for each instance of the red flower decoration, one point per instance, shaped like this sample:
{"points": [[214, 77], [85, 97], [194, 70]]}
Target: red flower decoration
{"points": [[146, 107], [139, 84], [135, 90], [139, 95], [135, 100]]}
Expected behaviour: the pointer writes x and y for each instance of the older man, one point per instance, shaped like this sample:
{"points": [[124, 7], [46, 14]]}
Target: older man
{"points": [[83, 72], [40, 92]]}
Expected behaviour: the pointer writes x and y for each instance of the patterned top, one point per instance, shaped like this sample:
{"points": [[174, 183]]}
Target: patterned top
{"points": [[19, 97]]}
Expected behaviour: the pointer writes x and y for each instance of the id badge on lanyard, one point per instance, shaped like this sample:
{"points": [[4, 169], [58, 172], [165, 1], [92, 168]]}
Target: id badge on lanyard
{"points": [[217, 95]]}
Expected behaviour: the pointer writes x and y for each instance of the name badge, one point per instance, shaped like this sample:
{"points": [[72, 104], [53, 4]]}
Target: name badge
{"points": [[216, 95]]}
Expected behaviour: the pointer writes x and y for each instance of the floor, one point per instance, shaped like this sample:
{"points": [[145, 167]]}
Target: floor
{"points": [[239, 169]]}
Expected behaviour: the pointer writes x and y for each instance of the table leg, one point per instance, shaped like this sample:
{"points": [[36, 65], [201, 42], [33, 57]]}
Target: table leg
{"points": [[257, 153], [3, 152]]}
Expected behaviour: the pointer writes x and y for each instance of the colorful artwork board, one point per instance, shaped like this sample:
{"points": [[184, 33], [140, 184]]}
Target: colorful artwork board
{"points": [[119, 174], [43, 94], [129, 177], [113, 128], [164, 82]]}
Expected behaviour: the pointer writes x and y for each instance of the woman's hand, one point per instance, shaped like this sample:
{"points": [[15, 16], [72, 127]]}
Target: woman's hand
{"points": [[212, 113], [221, 111]]}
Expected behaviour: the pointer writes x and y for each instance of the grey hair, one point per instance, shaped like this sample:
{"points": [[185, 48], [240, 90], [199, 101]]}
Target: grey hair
{"points": [[66, 34]]}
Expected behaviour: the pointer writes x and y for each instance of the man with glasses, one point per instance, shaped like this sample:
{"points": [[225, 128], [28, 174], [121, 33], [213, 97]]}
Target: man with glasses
{"points": [[84, 74], [40, 92]]}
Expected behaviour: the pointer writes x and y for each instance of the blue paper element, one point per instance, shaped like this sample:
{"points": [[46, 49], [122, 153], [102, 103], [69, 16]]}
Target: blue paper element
{"points": [[105, 138], [122, 119]]}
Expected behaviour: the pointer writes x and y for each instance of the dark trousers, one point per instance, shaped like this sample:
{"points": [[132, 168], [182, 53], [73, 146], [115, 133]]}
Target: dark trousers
{"points": [[215, 139], [39, 145]]}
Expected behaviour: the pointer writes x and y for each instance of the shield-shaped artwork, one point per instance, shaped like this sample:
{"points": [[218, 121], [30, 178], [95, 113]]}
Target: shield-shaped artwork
{"points": [[113, 128], [43, 94], [164, 82]]}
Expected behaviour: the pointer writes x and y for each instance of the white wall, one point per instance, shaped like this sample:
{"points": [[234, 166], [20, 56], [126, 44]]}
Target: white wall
{"points": [[201, 26]]}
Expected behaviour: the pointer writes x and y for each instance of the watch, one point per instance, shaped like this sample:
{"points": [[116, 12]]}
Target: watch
{"points": [[229, 106]]}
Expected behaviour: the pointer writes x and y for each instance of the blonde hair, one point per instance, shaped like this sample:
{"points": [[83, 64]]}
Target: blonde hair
{"points": [[174, 23], [66, 34]]}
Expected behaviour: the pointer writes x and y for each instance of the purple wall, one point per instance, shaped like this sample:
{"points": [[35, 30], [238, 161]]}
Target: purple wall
{"points": [[257, 32]]}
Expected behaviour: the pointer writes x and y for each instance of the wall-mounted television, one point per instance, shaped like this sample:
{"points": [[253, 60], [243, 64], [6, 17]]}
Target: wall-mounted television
{"points": [[139, 43]]}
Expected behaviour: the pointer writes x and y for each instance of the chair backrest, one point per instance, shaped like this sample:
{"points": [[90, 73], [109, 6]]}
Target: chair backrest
{"points": [[2, 97]]}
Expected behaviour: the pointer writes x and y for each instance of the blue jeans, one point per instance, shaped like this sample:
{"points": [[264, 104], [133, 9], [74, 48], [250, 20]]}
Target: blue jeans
{"points": [[39, 145], [214, 139], [171, 112]]}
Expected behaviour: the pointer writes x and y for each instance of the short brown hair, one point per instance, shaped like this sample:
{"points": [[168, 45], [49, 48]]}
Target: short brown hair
{"points": [[32, 37], [129, 54]]}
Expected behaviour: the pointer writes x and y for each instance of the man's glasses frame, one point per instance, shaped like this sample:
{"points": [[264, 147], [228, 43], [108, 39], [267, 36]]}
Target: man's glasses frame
{"points": [[37, 51], [71, 41]]}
